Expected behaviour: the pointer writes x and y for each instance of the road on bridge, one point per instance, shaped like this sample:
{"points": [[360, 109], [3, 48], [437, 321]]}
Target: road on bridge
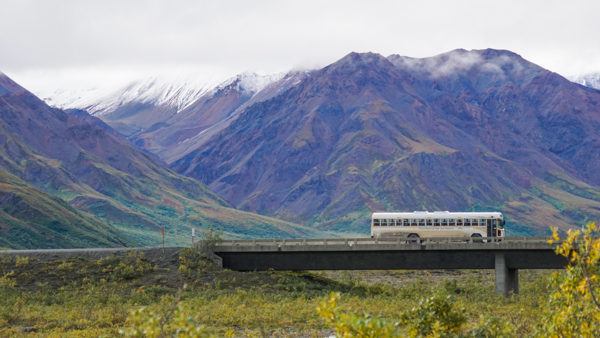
{"points": [[506, 257]]}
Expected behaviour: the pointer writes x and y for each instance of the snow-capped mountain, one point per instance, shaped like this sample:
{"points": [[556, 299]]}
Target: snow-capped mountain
{"points": [[250, 83], [176, 93], [188, 130], [147, 103], [75, 98], [589, 80]]}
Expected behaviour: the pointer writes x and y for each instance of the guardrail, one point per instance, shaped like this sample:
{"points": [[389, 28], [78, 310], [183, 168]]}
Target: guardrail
{"points": [[367, 240]]}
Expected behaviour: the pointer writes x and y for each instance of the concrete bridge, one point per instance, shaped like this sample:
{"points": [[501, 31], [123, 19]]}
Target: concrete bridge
{"points": [[506, 256]]}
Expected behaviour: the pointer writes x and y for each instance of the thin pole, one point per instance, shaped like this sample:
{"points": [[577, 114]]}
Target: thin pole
{"points": [[162, 231]]}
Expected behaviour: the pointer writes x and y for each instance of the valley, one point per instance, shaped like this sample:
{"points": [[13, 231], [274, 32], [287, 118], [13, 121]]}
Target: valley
{"points": [[125, 293]]}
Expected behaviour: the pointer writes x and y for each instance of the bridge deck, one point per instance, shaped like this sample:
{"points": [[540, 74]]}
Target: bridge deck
{"points": [[505, 256], [368, 244], [370, 254]]}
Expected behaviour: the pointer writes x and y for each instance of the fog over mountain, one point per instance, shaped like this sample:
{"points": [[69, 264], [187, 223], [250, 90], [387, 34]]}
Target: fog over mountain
{"points": [[590, 80]]}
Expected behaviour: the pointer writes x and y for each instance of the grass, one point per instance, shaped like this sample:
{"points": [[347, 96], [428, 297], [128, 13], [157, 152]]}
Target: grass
{"points": [[95, 296]]}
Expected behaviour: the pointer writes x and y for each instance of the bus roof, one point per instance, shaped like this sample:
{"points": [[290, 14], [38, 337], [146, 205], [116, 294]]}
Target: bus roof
{"points": [[437, 214]]}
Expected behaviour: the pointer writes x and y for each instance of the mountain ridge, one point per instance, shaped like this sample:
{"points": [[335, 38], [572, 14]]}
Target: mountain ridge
{"points": [[341, 133], [329, 132], [85, 163]]}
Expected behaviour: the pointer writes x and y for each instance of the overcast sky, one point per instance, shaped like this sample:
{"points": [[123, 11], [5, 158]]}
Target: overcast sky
{"points": [[64, 43]]}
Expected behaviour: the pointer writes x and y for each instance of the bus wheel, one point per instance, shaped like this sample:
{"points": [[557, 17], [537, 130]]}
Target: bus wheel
{"points": [[413, 238], [476, 238]]}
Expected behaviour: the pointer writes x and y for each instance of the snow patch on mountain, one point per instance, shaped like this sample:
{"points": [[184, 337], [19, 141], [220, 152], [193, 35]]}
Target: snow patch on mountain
{"points": [[75, 98], [249, 82], [173, 91]]}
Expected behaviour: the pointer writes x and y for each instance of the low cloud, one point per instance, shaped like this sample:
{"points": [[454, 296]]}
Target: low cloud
{"points": [[112, 37]]}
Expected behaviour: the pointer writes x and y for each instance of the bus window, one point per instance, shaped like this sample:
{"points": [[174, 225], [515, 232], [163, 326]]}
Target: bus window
{"points": [[390, 222], [467, 222], [445, 222], [452, 222], [489, 222], [429, 222], [398, 222], [459, 222], [421, 222], [482, 222], [405, 222], [436, 222], [376, 222]]}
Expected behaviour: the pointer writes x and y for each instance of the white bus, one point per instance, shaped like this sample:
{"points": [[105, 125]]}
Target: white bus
{"points": [[424, 224]]}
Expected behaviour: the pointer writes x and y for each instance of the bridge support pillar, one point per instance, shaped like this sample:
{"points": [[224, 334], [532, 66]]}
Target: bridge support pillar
{"points": [[507, 280]]}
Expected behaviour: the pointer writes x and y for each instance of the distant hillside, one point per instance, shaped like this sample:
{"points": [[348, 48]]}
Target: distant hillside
{"points": [[82, 161], [30, 218]]}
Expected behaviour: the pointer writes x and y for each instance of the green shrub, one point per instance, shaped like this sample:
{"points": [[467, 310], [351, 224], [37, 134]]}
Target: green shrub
{"points": [[169, 318], [200, 257], [8, 280], [492, 327], [131, 266], [435, 316], [348, 325]]}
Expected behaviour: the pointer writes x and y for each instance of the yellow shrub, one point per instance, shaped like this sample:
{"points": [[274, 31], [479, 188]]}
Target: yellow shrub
{"points": [[573, 308]]}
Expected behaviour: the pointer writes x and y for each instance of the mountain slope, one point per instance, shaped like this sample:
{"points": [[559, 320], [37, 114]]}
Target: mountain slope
{"points": [[186, 131], [145, 103], [84, 162], [459, 131], [30, 218], [171, 117]]}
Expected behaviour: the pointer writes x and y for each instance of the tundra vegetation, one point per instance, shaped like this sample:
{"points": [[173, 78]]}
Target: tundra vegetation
{"points": [[183, 294]]}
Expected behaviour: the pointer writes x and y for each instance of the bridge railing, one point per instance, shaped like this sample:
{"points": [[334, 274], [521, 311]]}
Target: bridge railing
{"points": [[368, 240]]}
